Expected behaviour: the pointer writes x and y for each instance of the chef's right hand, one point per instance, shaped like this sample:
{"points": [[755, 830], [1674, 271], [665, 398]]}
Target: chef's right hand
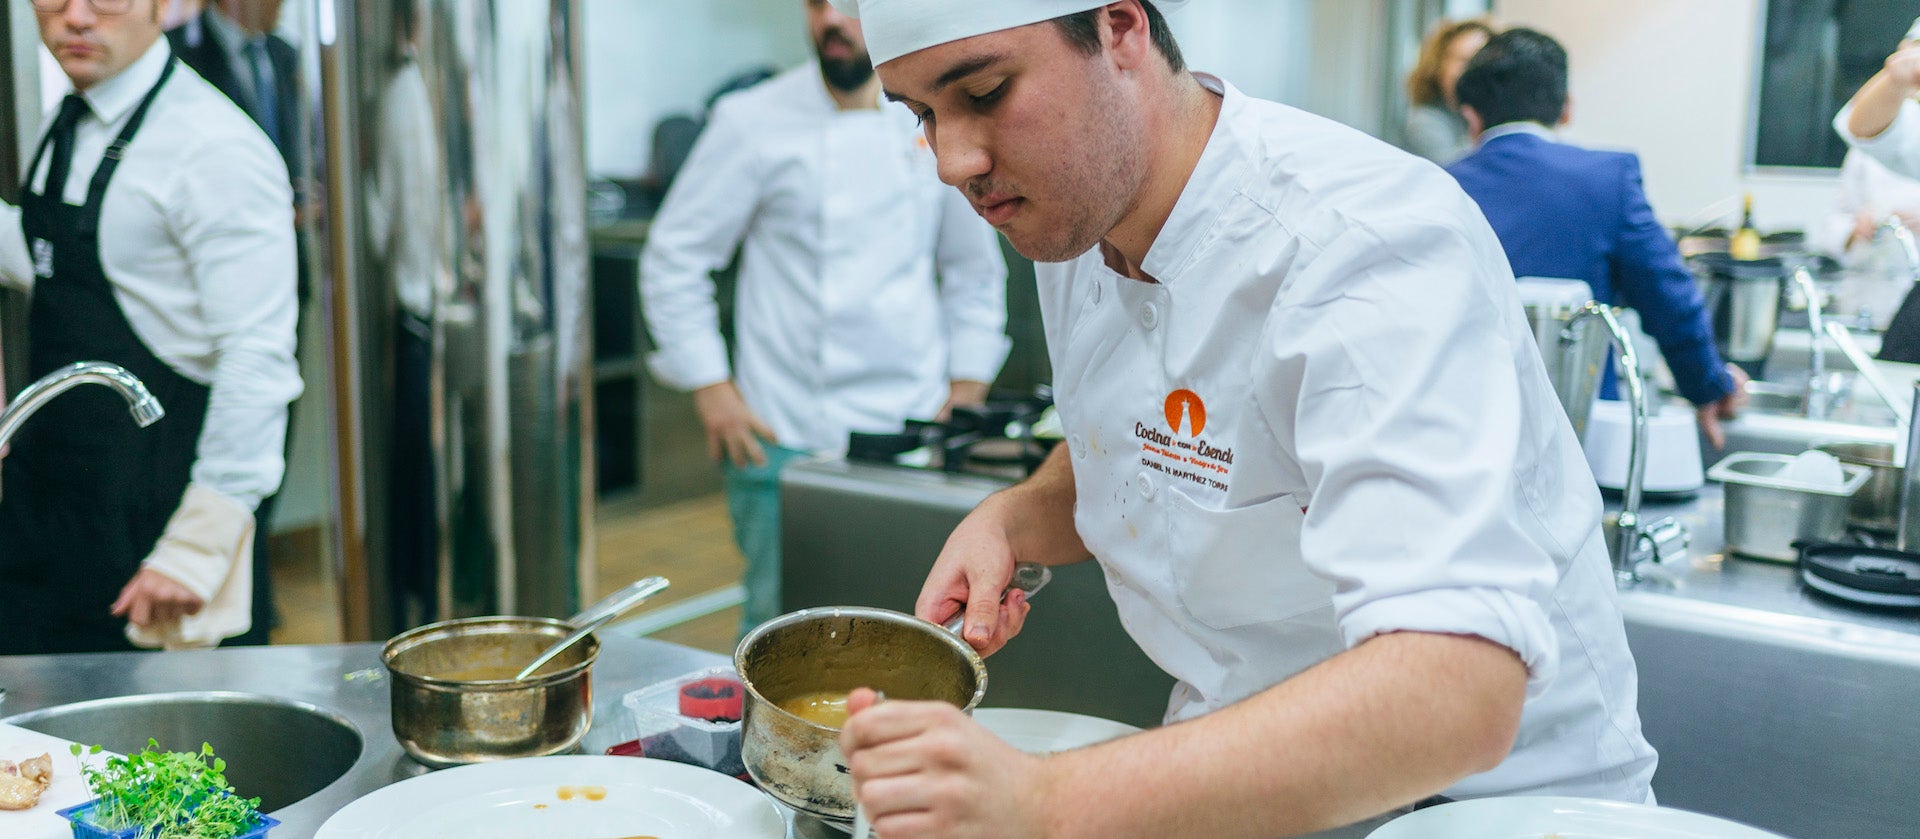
{"points": [[731, 427], [973, 570], [1903, 68]]}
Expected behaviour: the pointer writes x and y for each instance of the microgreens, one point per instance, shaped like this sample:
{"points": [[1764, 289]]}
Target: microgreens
{"points": [[168, 795]]}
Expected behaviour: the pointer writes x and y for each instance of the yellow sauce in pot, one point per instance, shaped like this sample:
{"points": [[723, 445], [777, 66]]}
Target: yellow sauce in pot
{"points": [[824, 707]]}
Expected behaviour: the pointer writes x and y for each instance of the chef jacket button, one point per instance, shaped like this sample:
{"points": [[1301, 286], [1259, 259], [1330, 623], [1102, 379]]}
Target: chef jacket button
{"points": [[1078, 445], [1093, 294], [1146, 485], [1149, 315]]}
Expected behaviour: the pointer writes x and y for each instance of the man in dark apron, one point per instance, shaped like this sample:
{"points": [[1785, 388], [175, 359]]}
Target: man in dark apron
{"points": [[88, 501]]}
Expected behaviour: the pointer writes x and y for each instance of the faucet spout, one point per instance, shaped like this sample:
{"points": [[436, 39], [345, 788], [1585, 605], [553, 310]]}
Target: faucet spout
{"points": [[145, 408], [1908, 247], [1819, 395]]}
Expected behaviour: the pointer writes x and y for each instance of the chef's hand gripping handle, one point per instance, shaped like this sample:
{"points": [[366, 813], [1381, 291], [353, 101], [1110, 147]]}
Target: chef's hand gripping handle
{"points": [[1028, 577]]}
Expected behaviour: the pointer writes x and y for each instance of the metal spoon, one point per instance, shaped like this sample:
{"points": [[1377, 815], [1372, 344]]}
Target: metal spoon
{"points": [[592, 617]]}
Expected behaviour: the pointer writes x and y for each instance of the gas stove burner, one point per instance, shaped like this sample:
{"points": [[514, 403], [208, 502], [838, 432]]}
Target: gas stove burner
{"points": [[995, 438]]}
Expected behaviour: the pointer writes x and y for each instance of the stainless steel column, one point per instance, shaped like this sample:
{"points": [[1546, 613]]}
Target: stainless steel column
{"points": [[455, 177], [19, 128]]}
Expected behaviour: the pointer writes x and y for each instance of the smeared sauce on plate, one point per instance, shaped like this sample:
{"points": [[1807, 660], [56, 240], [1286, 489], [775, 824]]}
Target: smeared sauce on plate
{"points": [[590, 793]]}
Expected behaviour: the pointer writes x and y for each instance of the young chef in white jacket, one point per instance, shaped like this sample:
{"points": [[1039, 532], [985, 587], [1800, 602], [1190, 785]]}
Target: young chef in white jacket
{"points": [[868, 292], [1882, 119], [1309, 440]]}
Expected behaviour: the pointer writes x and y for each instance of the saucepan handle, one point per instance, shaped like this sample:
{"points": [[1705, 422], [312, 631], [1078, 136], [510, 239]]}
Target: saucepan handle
{"points": [[1028, 577]]}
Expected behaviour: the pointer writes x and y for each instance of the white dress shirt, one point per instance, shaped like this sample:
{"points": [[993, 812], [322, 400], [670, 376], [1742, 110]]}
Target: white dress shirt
{"points": [[1327, 420], [196, 235], [1897, 148], [840, 324]]}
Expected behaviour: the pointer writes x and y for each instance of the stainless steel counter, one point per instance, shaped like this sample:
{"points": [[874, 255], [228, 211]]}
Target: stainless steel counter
{"points": [[344, 680], [1710, 576]]}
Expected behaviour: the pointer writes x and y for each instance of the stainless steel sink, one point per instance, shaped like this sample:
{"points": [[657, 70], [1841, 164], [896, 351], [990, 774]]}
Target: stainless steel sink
{"points": [[277, 749], [1775, 419]]}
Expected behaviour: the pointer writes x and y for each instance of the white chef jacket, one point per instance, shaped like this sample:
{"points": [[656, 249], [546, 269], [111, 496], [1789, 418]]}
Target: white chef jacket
{"points": [[840, 325], [1865, 184], [405, 208], [196, 235], [1328, 420], [1897, 148]]}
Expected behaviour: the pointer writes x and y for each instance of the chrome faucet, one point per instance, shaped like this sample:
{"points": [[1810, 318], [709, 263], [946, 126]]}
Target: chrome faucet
{"points": [[1820, 392], [1634, 542], [1893, 225], [146, 409]]}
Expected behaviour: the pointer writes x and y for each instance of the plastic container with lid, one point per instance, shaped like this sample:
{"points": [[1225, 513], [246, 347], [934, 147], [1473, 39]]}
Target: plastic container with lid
{"points": [[693, 718]]}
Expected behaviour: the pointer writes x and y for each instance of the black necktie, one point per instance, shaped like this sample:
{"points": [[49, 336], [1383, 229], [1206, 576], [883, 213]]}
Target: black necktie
{"points": [[71, 110]]}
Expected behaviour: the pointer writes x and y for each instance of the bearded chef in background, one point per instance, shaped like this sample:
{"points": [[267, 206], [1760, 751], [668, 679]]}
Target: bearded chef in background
{"points": [[868, 293]]}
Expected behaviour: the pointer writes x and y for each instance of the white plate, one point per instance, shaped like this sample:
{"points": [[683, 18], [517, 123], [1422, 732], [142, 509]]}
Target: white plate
{"points": [[551, 798], [1546, 817], [1040, 732]]}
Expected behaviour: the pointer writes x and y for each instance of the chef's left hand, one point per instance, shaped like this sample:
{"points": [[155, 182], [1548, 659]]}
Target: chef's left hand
{"points": [[924, 770], [962, 392], [153, 598]]}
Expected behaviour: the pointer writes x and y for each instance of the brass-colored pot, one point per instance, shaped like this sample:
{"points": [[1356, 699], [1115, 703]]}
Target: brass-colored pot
{"points": [[454, 700], [838, 649]]}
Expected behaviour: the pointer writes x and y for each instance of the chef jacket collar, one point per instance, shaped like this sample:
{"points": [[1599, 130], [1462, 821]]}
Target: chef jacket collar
{"points": [[1216, 178], [113, 98]]}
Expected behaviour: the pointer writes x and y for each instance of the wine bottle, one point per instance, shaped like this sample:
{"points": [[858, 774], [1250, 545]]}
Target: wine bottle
{"points": [[1745, 243]]}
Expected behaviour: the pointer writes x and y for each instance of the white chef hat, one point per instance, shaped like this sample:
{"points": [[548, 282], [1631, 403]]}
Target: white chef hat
{"points": [[894, 28]]}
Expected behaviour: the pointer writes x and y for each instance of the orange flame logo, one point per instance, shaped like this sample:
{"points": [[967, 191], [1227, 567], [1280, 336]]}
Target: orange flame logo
{"points": [[1185, 408]]}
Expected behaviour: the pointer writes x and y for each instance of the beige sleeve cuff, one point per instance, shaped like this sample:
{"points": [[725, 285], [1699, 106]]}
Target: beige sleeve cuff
{"points": [[208, 548]]}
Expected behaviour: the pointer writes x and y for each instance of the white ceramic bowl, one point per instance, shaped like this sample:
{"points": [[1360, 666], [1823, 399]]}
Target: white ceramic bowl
{"points": [[1673, 447]]}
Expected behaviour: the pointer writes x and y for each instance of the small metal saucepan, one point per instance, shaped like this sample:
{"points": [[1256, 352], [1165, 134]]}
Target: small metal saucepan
{"points": [[835, 650], [456, 698]]}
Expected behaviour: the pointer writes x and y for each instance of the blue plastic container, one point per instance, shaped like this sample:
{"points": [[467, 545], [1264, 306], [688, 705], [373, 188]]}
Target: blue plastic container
{"points": [[79, 815]]}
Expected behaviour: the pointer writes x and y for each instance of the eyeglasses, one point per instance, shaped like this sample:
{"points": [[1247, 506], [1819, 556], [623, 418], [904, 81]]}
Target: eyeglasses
{"points": [[100, 7]]}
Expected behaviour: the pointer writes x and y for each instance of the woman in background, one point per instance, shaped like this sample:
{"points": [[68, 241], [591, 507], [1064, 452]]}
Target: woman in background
{"points": [[1435, 130]]}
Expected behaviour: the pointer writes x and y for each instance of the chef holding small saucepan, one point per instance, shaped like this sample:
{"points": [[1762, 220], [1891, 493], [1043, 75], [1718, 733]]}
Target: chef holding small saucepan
{"points": [[1308, 439]]}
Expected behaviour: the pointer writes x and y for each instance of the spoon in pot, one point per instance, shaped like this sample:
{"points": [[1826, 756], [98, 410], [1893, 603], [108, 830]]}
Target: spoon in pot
{"points": [[592, 617]]}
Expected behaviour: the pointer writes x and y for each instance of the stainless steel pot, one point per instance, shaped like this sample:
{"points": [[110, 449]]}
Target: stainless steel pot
{"points": [[837, 649], [455, 701], [1743, 303], [1574, 349], [1876, 506]]}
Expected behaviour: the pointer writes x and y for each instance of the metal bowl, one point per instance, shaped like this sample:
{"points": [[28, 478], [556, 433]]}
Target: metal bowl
{"points": [[455, 701], [838, 649]]}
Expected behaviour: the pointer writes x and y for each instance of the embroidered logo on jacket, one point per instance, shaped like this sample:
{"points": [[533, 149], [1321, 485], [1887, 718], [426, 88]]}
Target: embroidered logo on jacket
{"points": [[1193, 460]]}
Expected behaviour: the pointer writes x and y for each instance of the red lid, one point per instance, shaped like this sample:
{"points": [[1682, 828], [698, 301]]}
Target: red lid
{"points": [[717, 699]]}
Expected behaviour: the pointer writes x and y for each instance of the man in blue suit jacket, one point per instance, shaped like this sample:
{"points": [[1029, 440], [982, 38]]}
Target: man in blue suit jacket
{"points": [[1565, 211]]}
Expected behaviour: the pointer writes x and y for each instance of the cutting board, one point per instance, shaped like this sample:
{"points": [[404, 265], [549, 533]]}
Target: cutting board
{"points": [[17, 744]]}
